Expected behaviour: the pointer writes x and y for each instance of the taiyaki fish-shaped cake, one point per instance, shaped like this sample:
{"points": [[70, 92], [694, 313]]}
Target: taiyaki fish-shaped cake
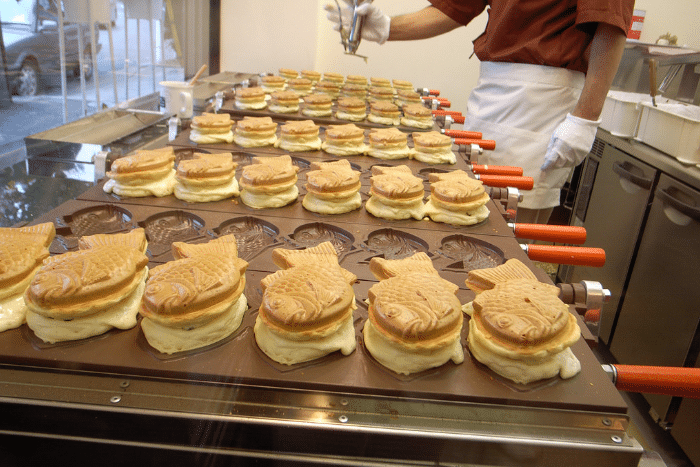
{"points": [[269, 182], [382, 268], [300, 135], [254, 132], [479, 280], [210, 128], [197, 300], [417, 116], [344, 140], [388, 143], [206, 177], [87, 292], [523, 331], [284, 102], [396, 193], [332, 188], [22, 251], [433, 147], [307, 309], [144, 173], [135, 238], [415, 322], [456, 198]]}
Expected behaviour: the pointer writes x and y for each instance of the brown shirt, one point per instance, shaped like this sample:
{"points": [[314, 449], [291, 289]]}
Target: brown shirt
{"points": [[543, 32]]}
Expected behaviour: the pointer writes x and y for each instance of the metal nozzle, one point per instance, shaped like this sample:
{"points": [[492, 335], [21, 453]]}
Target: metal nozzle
{"points": [[355, 30]]}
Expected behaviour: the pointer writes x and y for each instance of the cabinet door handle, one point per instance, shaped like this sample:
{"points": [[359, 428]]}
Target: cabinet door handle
{"points": [[690, 211], [622, 171]]}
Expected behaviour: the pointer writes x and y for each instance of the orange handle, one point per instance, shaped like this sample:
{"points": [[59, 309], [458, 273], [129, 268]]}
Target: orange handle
{"points": [[574, 255], [442, 113], [433, 92], [458, 119], [463, 134], [551, 233], [504, 181], [444, 104], [670, 381], [497, 170], [483, 143]]}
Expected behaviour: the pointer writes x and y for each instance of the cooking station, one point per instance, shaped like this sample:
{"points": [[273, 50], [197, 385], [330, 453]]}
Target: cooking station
{"points": [[114, 394]]}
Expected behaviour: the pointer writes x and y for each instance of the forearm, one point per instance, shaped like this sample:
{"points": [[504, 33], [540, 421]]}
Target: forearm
{"points": [[605, 54], [423, 24]]}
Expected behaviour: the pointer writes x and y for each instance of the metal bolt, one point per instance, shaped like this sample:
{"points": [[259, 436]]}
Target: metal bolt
{"points": [[616, 439], [124, 384], [344, 402], [115, 399], [607, 422], [343, 419]]}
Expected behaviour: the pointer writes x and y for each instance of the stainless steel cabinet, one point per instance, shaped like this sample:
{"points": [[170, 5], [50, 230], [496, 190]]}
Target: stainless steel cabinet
{"points": [[612, 203], [659, 317]]}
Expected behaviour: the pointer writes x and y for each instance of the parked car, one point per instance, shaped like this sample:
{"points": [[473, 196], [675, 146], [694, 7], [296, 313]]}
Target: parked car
{"points": [[31, 37]]}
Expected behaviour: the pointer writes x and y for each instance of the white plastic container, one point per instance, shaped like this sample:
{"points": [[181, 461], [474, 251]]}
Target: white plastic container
{"points": [[673, 129], [621, 111]]}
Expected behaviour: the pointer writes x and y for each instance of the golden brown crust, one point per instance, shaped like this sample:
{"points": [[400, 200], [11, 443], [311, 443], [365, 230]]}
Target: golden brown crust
{"points": [[333, 77], [431, 139], [256, 124], [380, 136], [479, 280], [318, 100], [284, 97], [143, 164], [19, 256], [299, 83], [206, 167], [381, 93], [288, 73], [299, 127], [457, 187], [415, 307], [135, 238], [396, 183], [336, 178], [210, 120], [311, 75], [189, 290], [385, 109], [383, 268], [44, 232], [271, 80], [522, 312], [255, 94], [305, 298], [327, 86], [402, 84], [357, 79], [268, 171], [224, 246], [347, 132], [66, 283], [351, 104], [381, 82]]}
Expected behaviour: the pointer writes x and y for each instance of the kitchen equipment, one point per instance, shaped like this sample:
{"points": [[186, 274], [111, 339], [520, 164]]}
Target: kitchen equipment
{"points": [[578, 256], [653, 87], [673, 128], [178, 98], [197, 75], [550, 233]]}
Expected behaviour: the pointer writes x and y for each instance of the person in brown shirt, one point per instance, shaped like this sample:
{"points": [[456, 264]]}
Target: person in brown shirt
{"points": [[546, 67]]}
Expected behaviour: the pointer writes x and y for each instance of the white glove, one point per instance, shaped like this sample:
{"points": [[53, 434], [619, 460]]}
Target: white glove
{"points": [[375, 26], [570, 143]]}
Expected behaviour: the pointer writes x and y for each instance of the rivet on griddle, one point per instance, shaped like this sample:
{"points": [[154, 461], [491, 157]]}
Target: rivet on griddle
{"points": [[343, 402], [616, 439], [115, 399], [607, 422], [343, 419], [124, 384]]}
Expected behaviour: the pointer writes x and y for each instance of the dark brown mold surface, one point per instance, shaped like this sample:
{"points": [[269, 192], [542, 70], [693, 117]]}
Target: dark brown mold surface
{"points": [[238, 359]]}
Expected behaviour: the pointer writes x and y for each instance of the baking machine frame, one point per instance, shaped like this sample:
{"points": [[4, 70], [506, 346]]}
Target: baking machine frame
{"points": [[271, 424]]}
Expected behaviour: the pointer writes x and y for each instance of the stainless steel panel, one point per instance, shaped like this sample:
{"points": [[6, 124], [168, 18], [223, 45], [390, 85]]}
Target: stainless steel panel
{"points": [[686, 426], [659, 317], [616, 208]]}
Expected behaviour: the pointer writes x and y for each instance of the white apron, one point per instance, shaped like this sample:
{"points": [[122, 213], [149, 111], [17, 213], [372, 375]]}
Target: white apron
{"points": [[519, 106]]}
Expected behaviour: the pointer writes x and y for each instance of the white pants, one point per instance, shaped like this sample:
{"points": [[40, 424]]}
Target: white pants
{"points": [[519, 106]]}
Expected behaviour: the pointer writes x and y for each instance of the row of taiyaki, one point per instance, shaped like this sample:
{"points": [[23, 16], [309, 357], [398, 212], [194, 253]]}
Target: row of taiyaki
{"points": [[271, 182], [406, 108], [518, 326], [338, 79], [431, 147]]}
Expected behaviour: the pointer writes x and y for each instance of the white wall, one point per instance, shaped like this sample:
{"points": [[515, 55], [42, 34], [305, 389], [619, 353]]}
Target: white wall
{"points": [[265, 35]]}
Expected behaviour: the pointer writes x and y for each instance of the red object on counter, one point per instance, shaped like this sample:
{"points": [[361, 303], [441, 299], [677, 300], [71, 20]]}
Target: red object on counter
{"points": [[463, 134], [497, 170], [550, 233], [670, 381], [483, 143], [505, 181], [573, 255], [451, 113]]}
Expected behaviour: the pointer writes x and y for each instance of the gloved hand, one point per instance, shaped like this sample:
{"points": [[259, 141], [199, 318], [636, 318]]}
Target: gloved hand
{"points": [[375, 26], [570, 143]]}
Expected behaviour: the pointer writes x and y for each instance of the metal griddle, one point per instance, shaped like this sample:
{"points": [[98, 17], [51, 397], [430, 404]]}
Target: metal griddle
{"points": [[230, 400]]}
